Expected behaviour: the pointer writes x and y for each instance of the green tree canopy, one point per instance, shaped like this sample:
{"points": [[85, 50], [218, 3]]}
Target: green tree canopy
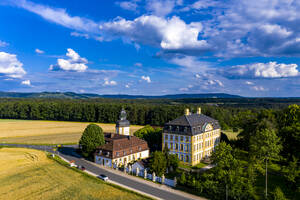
{"points": [[228, 173], [278, 194], [91, 138], [264, 144], [158, 163], [151, 135]]}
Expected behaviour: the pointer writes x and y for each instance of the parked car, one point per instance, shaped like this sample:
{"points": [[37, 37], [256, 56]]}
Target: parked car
{"points": [[82, 168], [103, 177]]}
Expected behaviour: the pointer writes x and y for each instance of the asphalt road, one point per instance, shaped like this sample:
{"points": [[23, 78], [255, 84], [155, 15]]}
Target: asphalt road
{"points": [[70, 154]]}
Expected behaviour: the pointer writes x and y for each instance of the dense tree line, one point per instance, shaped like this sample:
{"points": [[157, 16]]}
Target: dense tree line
{"points": [[139, 112]]}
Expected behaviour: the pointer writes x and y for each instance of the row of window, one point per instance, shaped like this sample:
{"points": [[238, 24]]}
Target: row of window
{"points": [[176, 138], [185, 128], [178, 147], [184, 158], [198, 157], [124, 152], [198, 146]]}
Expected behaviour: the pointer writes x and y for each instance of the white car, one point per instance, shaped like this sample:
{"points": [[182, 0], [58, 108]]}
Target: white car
{"points": [[103, 177]]}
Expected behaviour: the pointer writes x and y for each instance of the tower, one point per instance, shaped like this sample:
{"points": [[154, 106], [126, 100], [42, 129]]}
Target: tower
{"points": [[123, 125]]}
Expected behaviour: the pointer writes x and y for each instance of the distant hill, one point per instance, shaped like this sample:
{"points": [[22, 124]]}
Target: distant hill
{"points": [[72, 95]]}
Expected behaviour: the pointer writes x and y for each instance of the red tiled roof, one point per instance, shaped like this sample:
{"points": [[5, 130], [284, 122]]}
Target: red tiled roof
{"points": [[115, 145]]}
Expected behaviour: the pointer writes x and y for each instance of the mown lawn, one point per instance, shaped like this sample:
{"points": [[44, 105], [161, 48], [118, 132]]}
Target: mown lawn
{"points": [[29, 174], [230, 134], [46, 132]]}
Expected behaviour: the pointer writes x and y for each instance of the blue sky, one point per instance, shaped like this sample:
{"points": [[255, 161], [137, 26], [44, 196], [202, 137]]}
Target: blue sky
{"points": [[151, 47]]}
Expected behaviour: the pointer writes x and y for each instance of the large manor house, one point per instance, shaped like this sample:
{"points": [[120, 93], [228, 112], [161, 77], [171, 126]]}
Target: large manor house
{"points": [[192, 137]]}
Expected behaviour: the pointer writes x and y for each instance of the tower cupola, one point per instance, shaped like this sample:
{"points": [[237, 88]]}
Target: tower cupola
{"points": [[123, 125]]}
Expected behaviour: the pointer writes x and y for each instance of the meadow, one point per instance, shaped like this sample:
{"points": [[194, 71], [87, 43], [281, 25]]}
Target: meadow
{"points": [[231, 135], [29, 174], [47, 132]]}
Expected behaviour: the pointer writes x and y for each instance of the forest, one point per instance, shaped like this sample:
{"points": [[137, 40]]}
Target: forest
{"points": [[155, 112]]}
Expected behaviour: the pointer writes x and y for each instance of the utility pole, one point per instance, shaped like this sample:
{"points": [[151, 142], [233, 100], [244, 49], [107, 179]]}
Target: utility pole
{"points": [[266, 178]]}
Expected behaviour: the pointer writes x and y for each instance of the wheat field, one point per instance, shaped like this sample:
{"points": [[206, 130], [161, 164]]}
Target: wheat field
{"points": [[29, 174], [47, 132]]}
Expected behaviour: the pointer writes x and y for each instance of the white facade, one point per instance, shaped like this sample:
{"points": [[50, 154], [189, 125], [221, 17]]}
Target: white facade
{"points": [[122, 160], [123, 130]]}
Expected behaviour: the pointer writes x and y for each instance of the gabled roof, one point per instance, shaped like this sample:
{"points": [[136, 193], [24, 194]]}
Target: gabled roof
{"points": [[193, 120], [120, 143]]}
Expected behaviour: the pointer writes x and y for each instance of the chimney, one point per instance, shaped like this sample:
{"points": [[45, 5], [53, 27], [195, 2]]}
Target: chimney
{"points": [[199, 110], [186, 111]]}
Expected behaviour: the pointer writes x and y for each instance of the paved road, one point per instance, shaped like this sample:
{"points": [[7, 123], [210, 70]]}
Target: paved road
{"points": [[70, 154]]}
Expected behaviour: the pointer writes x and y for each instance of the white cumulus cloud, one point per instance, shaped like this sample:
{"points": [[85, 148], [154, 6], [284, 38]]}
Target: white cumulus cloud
{"points": [[10, 66], [128, 5], [39, 51], [109, 83], [146, 78], [74, 63], [262, 70], [26, 82], [171, 34]]}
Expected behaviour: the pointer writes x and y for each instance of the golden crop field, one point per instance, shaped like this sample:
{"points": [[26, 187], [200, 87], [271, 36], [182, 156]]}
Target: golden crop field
{"points": [[29, 174], [47, 132]]}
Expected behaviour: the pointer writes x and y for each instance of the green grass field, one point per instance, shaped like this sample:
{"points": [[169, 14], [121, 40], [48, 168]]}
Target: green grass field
{"points": [[230, 134], [47, 132], [29, 174]]}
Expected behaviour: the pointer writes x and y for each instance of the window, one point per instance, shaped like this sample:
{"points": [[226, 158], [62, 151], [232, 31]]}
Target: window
{"points": [[171, 146], [166, 145], [187, 139], [194, 129], [181, 138], [176, 147], [166, 137], [187, 159], [177, 128], [117, 154], [185, 129], [140, 148], [171, 137], [130, 150], [176, 138], [124, 153], [181, 147], [181, 157]]}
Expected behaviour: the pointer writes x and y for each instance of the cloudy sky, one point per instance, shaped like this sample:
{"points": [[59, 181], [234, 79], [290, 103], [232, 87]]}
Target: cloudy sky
{"points": [[151, 47]]}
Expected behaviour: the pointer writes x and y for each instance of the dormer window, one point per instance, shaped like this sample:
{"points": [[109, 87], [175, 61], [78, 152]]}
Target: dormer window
{"points": [[124, 153], [117, 154], [130, 150], [177, 128], [140, 148]]}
